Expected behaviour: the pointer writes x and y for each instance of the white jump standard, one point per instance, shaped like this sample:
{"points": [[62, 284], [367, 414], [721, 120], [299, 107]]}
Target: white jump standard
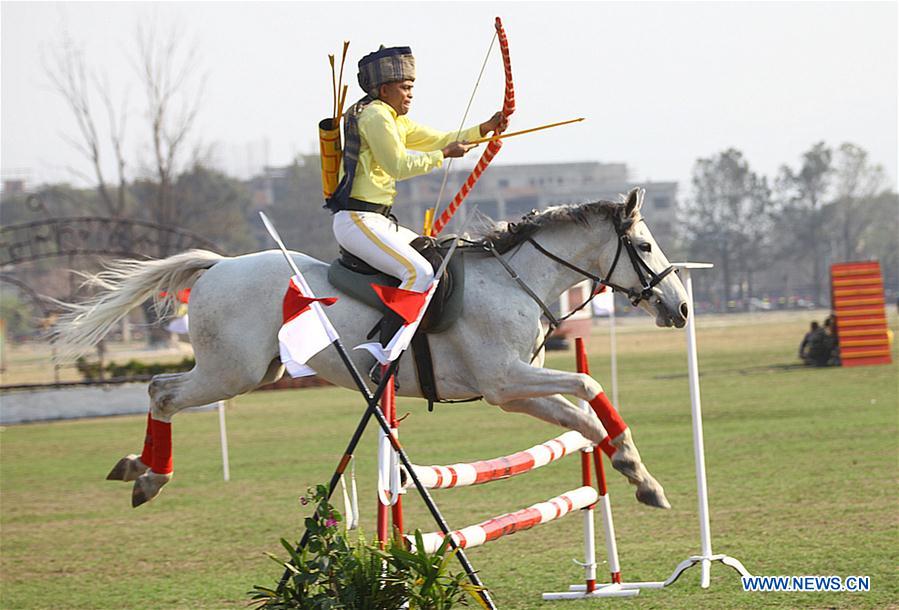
{"points": [[706, 557]]}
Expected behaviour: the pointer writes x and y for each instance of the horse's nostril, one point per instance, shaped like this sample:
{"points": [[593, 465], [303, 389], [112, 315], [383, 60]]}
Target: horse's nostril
{"points": [[684, 310]]}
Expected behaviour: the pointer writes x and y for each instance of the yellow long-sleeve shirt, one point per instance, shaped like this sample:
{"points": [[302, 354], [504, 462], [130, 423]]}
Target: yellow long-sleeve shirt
{"points": [[383, 157]]}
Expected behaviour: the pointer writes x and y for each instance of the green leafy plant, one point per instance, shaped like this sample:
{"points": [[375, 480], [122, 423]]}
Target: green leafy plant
{"points": [[431, 584], [330, 573]]}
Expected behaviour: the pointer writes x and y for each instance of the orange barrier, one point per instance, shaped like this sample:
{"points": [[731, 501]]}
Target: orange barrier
{"points": [[858, 303]]}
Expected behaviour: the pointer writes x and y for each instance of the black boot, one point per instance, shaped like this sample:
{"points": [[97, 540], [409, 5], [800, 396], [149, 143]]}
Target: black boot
{"points": [[391, 323], [387, 328]]}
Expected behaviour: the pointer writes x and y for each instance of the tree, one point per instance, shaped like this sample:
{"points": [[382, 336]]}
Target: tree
{"points": [[173, 95], [215, 206], [167, 70], [876, 238], [728, 219], [297, 211], [77, 85], [803, 195], [857, 183]]}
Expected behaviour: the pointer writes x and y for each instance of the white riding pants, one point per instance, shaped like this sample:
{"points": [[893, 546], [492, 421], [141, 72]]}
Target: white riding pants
{"points": [[384, 245]]}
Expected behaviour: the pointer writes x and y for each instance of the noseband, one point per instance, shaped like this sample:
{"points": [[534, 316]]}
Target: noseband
{"points": [[649, 279]]}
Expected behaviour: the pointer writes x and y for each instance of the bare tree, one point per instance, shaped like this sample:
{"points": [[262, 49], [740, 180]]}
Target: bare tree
{"points": [[168, 71], [69, 75]]}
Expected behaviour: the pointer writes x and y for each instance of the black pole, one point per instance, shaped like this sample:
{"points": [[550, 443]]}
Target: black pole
{"points": [[373, 409]]}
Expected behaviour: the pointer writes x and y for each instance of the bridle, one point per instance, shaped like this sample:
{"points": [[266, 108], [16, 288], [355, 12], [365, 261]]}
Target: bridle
{"points": [[649, 279]]}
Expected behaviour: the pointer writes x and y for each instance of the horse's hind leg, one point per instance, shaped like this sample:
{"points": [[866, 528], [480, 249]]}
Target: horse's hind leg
{"points": [[169, 394], [132, 466]]}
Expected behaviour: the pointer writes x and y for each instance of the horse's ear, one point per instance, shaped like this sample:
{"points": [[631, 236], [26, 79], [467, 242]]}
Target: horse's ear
{"points": [[634, 202]]}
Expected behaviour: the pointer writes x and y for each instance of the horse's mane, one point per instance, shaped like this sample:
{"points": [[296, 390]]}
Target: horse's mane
{"points": [[506, 235]]}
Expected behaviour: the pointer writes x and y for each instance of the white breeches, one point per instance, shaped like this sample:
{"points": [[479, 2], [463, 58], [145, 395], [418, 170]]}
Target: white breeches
{"points": [[384, 245]]}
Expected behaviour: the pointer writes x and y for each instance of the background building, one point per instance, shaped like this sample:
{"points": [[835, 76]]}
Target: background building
{"points": [[507, 192]]}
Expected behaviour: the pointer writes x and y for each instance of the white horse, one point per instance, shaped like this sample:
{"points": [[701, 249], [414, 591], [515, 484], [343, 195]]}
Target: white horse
{"points": [[236, 312]]}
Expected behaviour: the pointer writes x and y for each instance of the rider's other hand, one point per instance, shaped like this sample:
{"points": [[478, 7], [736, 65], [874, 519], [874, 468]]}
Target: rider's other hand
{"points": [[457, 149], [496, 124]]}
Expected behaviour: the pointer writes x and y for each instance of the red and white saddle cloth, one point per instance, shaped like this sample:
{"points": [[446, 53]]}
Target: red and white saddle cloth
{"points": [[411, 307], [304, 332]]}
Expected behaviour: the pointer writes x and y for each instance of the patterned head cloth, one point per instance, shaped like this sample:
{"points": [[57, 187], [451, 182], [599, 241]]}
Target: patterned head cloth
{"points": [[386, 65]]}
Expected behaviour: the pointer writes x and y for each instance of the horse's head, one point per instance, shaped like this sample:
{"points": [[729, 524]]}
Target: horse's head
{"points": [[635, 265]]}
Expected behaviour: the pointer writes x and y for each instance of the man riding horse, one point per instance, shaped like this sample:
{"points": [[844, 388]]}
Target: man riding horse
{"points": [[491, 350], [378, 134]]}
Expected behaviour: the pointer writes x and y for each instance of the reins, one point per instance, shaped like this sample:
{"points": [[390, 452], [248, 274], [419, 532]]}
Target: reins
{"points": [[649, 279]]}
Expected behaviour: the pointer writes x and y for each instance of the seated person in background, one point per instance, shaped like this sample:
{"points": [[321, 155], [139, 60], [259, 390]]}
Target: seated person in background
{"points": [[817, 346], [830, 326], [806, 344]]}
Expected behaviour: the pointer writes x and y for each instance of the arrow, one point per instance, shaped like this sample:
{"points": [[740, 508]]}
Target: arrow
{"points": [[524, 131]]}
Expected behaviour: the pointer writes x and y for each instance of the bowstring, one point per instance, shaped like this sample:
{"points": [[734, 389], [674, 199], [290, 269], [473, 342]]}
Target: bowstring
{"points": [[449, 165]]}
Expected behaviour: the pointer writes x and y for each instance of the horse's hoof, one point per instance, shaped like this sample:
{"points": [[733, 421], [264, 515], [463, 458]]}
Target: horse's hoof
{"points": [[127, 469], [147, 486], [650, 492], [627, 461]]}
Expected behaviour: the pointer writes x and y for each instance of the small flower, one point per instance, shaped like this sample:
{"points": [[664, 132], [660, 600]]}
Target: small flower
{"points": [[304, 500], [330, 522]]}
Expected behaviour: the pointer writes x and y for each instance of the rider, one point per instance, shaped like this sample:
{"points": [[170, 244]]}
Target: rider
{"points": [[377, 134]]}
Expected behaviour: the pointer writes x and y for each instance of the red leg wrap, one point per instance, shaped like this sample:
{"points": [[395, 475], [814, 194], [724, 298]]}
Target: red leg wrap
{"points": [[146, 455], [607, 414], [162, 446], [606, 446]]}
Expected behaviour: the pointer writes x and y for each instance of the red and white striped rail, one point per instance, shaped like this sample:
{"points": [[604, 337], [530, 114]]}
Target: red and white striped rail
{"points": [[524, 519], [584, 498], [484, 471]]}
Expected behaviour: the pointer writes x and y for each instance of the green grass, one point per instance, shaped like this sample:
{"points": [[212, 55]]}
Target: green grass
{"points": [[802, 467]]}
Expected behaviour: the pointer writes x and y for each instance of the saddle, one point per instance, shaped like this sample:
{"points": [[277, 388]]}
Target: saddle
{"points": [[354, 277]]}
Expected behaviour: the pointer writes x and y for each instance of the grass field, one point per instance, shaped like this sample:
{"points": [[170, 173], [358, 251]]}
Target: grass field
{"points": [[802, 467]]}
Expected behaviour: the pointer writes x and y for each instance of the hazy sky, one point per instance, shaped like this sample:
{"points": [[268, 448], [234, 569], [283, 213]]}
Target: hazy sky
{"points": [[660, 83]]}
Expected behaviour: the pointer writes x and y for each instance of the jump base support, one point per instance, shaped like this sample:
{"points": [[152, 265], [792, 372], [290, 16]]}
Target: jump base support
{"points": [[580, 592]]}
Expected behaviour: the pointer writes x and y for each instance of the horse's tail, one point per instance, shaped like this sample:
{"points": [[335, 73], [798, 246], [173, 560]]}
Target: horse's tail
{"points": [[125, 284]]}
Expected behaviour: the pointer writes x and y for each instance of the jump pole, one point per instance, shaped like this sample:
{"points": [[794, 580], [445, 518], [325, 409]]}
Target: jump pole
{"points": [[590, 588], [706, 557], [389, 488], [613, 346], [223, 435]]}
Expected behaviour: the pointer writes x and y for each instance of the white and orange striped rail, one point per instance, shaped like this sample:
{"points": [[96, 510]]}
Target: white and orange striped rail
{"points": [[484, 471], [524, 519]]}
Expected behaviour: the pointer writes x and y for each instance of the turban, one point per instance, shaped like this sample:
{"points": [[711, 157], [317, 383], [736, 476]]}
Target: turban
{"points": [[386, 65]]}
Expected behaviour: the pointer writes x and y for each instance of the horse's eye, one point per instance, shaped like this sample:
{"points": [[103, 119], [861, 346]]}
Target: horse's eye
{"points": [[646, 247]]}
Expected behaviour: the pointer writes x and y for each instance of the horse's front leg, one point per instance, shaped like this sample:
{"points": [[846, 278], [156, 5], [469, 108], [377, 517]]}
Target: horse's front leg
{"points": [[521, 381], [526, 389]]}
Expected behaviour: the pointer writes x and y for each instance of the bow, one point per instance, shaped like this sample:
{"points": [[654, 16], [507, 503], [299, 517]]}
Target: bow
{"points": [[493, 146]]}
